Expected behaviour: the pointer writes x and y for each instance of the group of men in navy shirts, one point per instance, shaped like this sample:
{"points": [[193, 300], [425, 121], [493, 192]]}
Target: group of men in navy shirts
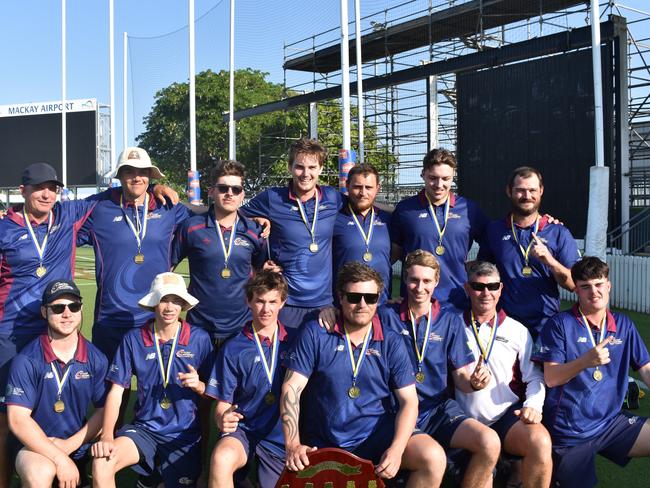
{"points": [[296, 338]]}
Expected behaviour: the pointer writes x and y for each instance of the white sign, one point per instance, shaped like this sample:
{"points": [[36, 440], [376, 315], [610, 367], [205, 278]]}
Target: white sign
{"points": [[40, 108]]}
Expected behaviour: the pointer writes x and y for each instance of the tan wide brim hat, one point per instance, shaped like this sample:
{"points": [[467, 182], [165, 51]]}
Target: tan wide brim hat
{"points": [[137, 157], [167, 284]]}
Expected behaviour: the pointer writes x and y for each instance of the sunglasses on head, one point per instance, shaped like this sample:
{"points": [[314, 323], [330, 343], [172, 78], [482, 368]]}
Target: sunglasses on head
{"points": [[58, 308], [482, 286], [223, 189], [354, 298]]}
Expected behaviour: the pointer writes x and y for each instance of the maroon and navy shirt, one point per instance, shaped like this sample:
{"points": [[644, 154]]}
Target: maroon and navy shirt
{"points": [[222, 304], [330, 417], [238, 377], [32, 385], [447, 350], [583, 408], [137, 356], [120, 281], [530, 300], [308, 274], [412, 228]]}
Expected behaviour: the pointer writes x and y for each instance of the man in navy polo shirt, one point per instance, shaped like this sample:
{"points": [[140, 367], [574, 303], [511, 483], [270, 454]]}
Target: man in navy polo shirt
{"points": [[223, 247], [246, 380], [302, 218], [164, 355], [361, 230], [441, 222], [52, 383], [533, 255], [437, 348], [587, 352], [350, 376]]}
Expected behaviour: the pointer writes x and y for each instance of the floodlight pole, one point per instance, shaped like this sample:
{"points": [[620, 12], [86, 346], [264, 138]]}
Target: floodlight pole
{"points": [[192, 90], [125, 99], [232, 150], [598, 83], [111, 75], [64, 149], [345, 74], [360, 104]]}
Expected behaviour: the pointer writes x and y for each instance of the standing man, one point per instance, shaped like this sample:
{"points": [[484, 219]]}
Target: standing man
{"points": [[52, 383], [302, 219], [511, 403], [441, 222], [587, 352], [223, 247], [361, 230], [357, 368], [246, 380], [533, 256]]}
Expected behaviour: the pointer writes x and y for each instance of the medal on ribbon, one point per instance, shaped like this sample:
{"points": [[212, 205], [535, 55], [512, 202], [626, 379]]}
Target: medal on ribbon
{"points": [[597, 374], [269, 370], [313, 247], [225, 272], [420, 352], [354, 391], [40, 247], [526, 270], [440, 249], [139, 229], [165, 372], [486, 350], [59, 405], [367, 256]]}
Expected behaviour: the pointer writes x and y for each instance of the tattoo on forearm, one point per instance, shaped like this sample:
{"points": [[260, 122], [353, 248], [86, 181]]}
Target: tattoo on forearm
{"points": [[291, 411]]}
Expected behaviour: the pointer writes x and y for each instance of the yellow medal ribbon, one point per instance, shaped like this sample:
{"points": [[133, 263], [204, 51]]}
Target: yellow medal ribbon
{"points": [[40, 248], [356, 365], [164, 372], [485, 351], [420, 352], [139, 229], [524, 252], [366, 237], [432, 212], [222, 241], [270, 371], [303, 216], [603, 325], [60, 381]]}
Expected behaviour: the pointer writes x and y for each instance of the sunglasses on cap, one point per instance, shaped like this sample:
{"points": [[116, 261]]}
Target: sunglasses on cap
{"points": [[354, 298], [494, 286], [223, 189], [58, 308]]}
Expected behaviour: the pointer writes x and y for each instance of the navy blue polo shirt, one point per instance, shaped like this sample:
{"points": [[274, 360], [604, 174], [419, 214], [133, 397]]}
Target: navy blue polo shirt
{"points": [[308, 274], [239, 378], [528, 299], [412, 228], [222, 302], [348, 244], [120, 281], [330, 417], [32, 385], [447, 350], [20, 289], [137, 356], [583, 408]]}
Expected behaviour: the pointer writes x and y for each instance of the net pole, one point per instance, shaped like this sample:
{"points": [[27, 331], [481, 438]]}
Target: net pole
{"points": [[232, 153], [192, 88], [360, 104], [111, 75]]}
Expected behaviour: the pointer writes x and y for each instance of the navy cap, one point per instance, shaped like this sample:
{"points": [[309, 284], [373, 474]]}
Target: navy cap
{"points": [[57, 288], [38, 173]]}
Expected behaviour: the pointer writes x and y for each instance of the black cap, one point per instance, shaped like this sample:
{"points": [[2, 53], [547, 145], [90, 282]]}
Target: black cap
{"points": [[57, 288], [38, 173]]}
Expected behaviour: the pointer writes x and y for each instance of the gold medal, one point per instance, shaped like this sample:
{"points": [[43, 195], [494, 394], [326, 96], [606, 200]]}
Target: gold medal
{"points": [[40, 271], [225, 273], [354, 392], [440, 250], [367, 256], [527, 271], [165, 403], [313, 247], [269, 398], [598, 375], [138, 258], [59, 406], [419, 377]]}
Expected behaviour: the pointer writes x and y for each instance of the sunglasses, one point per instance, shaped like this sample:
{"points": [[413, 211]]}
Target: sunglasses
{"points": [[354, 298], [58, 308], [223, 189], [482, 286]]}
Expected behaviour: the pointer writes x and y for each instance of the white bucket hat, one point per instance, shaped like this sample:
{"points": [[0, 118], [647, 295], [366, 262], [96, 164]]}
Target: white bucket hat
{"points": [[167, 284], [137, 157]]}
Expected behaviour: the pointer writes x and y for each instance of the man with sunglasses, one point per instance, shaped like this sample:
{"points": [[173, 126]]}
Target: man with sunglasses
{"points": [[511, 402], [52, 383], [438, 350], [302, 218], [223, 247], [357, 368]]}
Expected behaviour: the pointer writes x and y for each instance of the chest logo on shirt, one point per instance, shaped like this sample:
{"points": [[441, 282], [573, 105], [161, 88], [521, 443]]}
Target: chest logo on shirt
{"points": [[616, 342], [373, 352], [581, 340], [49, 375], [423, 215], [153, 215], [151, 355], [82, 375], [185, 481], [501, 339], [453, 215], [54, 228], [433, 337], [23, 237], [340, 348], [117, 218], [241, 242], [182, 353], [257, 359], [506, 237]]}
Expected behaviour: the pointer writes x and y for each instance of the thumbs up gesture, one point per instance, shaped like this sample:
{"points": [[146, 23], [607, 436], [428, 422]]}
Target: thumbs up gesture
{"points": [[481, 375], [229, 419], [599, 355]]}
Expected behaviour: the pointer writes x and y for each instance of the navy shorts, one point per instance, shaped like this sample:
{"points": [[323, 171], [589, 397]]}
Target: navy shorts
{"points": [[10, 346], [108, 339], [443, 422], [378, 441], [269, 464], [507, 420], [576, 465], [295, 317], [177, 461]]}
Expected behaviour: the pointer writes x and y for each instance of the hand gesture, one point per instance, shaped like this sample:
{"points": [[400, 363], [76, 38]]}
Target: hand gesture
{"points": [[296, 457], [599, 355], [103, 448], [191, 380], [481, 375], [529, 415], [389, 463], [540, 251], [327, 318], [229, 420]]}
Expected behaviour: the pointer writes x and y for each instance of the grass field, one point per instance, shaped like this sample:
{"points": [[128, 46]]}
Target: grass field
{"points": [[609, 475]]}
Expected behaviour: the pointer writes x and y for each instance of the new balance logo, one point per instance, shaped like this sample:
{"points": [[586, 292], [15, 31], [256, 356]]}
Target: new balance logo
{"points": [[118, 218], [506, 237], [581, 340], [423, 215], [151, 355], [340, 348]]}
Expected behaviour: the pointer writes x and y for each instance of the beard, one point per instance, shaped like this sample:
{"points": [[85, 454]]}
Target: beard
{"points": [[518, 209]]}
